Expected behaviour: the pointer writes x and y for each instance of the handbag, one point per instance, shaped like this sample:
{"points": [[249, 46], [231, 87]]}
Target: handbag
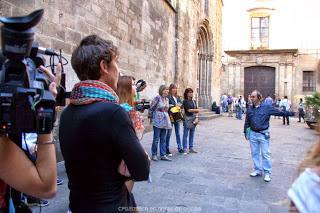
{"points": [[189, 121], [176, 114]]}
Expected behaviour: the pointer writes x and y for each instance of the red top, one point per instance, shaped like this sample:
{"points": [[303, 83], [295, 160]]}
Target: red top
{"points": [[3, 200]]}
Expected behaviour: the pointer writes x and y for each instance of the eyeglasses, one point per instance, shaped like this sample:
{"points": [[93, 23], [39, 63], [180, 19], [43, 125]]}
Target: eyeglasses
{"points": [[253, 96]]}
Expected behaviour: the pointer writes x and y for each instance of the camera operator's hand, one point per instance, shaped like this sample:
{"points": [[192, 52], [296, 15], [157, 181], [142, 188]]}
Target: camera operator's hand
{"points": [[19, 172], [55, 79]]}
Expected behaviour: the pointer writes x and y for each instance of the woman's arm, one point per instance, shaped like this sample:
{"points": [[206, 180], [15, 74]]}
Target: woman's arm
{"points": [[19, 172]]}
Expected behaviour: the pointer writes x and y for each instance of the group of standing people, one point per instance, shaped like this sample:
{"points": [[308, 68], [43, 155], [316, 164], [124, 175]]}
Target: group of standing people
{"points": [[232, 104], [167, 113]]}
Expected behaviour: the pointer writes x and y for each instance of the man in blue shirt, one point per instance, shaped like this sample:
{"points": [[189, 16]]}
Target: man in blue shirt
{"points": [[256, 130]]}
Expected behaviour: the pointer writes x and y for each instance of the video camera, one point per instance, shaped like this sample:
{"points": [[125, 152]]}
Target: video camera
{"points": [[26, 104], [142, 105]]}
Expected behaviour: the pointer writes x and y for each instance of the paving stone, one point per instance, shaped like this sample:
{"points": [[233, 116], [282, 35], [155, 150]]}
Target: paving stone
{"points": [[217, 178], [177, 177]]}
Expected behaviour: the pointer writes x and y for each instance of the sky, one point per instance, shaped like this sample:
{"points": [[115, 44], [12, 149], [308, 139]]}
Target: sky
{"points": [[293, 24]]}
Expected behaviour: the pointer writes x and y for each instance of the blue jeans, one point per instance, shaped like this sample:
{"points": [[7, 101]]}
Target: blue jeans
{"points": [[177, 131], [239, 113], [159, 134], [224, 106], [185, 136], [260, 144]]}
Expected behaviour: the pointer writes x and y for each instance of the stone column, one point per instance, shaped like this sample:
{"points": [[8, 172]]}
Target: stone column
{"points": [[290, 81], [237, 79], [281, 79]]}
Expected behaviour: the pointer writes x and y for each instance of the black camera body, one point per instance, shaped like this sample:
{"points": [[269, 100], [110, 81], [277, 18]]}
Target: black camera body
{"points": [[143, 105], [26, 104]]}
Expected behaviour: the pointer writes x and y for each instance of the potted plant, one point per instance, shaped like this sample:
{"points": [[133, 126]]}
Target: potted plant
{"points": [[313, 110]]}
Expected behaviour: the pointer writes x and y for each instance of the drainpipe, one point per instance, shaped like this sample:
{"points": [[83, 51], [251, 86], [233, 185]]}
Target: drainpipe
{"points": [[176, 42]]}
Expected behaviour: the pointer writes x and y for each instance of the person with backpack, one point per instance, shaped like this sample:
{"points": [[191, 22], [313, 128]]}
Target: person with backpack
{"points": [[285, 106], [230, 105]]}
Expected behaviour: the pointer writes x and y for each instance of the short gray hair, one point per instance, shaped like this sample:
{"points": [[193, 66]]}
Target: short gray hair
{"points": [[161, 88]]}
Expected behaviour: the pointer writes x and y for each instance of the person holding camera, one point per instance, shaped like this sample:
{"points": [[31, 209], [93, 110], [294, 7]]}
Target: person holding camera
{"points": [[191, 120], [161, 123], [140, 86], [175, 104], [256, 130], [96, 134], [39, 177]]}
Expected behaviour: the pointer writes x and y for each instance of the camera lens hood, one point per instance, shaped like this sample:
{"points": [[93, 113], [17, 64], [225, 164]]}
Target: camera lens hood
{"points": [[22, 23]]}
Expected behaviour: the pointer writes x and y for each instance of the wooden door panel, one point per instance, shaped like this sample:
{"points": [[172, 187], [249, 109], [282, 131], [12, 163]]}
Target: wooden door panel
{"points": [[261, 78]]}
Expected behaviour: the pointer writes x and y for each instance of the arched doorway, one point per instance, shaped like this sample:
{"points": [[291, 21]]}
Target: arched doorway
{"points": [[204, 65], [261, 78]]}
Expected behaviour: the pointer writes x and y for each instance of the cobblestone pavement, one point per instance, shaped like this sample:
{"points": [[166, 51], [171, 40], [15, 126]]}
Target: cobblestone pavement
{"points": [[217, 178]]}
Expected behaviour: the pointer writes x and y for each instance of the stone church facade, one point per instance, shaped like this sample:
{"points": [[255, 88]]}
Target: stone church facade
{"points": [[161, 41]]}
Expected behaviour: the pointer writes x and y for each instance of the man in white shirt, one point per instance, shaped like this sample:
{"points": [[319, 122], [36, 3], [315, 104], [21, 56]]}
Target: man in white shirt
{"points": [[285, 105]]}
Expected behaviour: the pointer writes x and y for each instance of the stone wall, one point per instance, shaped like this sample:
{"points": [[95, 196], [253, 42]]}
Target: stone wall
{"points": [[144, 30]]}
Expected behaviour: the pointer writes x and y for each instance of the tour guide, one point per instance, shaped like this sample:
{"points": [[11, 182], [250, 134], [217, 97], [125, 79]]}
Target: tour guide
{"points": [[256, 130]]}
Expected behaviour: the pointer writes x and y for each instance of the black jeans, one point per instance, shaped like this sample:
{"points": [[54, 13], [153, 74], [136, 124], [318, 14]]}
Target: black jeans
{"points": [[301, 115], [284, 120]]}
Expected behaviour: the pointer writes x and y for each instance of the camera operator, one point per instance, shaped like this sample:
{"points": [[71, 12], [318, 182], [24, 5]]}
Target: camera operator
{"points": [[19, 172], [140, 85]]}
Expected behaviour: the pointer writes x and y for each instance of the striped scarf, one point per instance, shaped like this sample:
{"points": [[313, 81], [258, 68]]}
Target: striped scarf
{"points": [[90, 91]]}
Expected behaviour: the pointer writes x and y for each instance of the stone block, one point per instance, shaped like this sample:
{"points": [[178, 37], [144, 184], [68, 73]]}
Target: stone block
{"points": [[82, 26], [19, 11], [97, 10], [57, 45], [25, 5], [79, 10], [196, 189], [73, 37], [67, 20], [135, 7], [52, 14], [66, 6], [44, 41], [53, 30], [5, 9], [91, 19], [177, 177]]}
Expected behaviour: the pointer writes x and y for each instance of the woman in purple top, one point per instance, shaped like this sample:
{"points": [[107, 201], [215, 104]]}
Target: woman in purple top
{"points": [[161, 122]]}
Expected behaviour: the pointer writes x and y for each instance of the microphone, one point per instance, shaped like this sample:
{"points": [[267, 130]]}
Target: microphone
{"points": [[46, 51], [42, 50]]}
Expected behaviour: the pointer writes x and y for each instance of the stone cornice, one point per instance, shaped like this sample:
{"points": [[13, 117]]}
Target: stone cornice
{"points": [[251, 52]]}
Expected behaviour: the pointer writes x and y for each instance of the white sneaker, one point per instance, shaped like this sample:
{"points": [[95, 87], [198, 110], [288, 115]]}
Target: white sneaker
{"points": [[267, 178], [255, 174]]}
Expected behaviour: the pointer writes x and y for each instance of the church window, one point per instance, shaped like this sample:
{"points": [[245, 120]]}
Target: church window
{"points": [[309, 82], [260, 32]]}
